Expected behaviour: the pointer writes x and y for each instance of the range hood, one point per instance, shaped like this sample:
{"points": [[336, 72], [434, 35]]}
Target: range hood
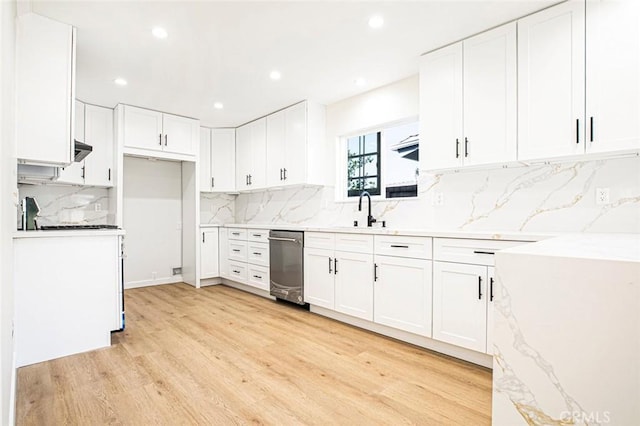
{"points": [[81, 150]]}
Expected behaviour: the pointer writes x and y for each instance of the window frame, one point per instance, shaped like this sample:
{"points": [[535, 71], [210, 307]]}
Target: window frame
{"points": [[361, 176], [341, 195]]}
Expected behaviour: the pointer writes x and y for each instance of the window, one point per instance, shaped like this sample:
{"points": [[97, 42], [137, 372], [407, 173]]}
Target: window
{"points": [[363, 164], [384, 162]]}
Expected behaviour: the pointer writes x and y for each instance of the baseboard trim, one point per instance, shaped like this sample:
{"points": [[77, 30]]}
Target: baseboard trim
{"points": [[247, 288], [12, 391], [148, 283], [473, 357], [205, 282]]}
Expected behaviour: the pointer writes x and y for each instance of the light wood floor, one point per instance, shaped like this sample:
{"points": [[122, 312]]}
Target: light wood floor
{"points": [[218, 356]]}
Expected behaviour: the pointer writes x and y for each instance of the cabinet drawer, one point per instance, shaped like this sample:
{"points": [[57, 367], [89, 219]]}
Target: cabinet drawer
{"points": [[238, 250], [479, 252], [258, 276], [238, 271], [355, 243], [258, 235], [237, 234], [320, 240], [396, 245], [258, 253]]}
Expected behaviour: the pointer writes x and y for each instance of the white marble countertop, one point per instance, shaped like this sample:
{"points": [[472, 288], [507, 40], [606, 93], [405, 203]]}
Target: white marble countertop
{"points": [[210, 225], [69, 233], [612, 247], [483, 235]]}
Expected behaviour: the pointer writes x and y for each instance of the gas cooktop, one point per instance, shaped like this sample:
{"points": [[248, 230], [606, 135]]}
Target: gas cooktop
{"points": [[75, 227]]}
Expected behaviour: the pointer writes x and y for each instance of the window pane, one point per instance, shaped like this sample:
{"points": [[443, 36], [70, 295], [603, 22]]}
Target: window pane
{"points": [[371, 183], [354, 167], [401, 156], [355, 184], [370, 143], [353, 145], [370, 165]]}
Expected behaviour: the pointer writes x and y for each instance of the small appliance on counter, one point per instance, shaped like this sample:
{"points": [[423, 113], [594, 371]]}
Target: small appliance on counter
{"points": [[30, 210]]}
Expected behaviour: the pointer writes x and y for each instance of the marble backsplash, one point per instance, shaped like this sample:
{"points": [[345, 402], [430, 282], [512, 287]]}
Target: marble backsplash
{"points": [[69, 204], [216, 208], [540, 198]]}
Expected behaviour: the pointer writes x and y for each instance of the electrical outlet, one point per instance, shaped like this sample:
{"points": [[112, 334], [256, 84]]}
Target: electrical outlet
{"points": [[438, 199], [602, 196], [98, 206]]}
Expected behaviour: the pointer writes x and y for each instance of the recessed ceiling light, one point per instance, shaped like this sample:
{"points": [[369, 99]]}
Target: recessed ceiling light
{"points": [[120, 81], [376, 21], [275, 75], [360, 81], [218, 105], [159, 32]]}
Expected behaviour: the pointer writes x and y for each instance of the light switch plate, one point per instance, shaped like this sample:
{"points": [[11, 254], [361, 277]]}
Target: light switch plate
{"points": [[602, 196]]}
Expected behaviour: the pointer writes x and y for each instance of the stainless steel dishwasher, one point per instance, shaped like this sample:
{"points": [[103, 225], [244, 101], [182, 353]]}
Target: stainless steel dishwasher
{"points": [[285, 265]]}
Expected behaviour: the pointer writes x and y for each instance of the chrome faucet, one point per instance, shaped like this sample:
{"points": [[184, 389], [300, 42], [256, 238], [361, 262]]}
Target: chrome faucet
{"points": [[370, 219]]}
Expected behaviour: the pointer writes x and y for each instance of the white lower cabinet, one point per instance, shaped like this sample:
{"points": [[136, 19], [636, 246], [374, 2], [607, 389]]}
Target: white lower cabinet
{"points": [[319, 288], [223, 255], [402, 294], [460, 304], [209, 266], [491, 276], [258, 276], [248, 257], [354, 284]]}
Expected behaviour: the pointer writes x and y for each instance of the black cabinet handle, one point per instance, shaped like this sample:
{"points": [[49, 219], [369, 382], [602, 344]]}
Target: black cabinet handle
{"points": [[236, 250], [491, 289], [250, 180], [457, 148], [255, 253], [335, 266], [235, 233], [212, 182], [166, 138], [246, 180], [203, 237], [330, 270], [236, 271], [280, 174], [285, 173], [577, 130], [257, 235], [590, 129], [479, 288], [160, 139], [398, 246], [375, 272], [483, 252], [109, 174], [466, 147], [83, 172], [257, 276]]}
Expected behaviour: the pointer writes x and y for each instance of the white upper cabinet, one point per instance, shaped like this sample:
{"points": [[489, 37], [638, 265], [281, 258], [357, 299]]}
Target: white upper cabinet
{"points": [[613, 70], [205, 160], [251, 155], [217, 160], [94, 126], [276, 148], [551, 79], [223, 160], [296, 140], [468, 101], [490, 99], [147, 130], [99, 165], [45, 90]]}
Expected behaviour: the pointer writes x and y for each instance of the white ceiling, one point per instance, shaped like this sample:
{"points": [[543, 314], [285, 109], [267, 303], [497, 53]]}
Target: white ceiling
{"points": [[224, 51]]}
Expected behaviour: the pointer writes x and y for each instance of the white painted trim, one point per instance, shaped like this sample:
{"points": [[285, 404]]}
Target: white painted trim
{"points": [[148, 283], [474, 357], [12, 392], [247, 288], [205, 282]]}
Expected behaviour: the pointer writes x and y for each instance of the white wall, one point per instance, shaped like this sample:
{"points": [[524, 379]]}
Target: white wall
{"points": [[7, 207], [152, 217], [545, 198]]}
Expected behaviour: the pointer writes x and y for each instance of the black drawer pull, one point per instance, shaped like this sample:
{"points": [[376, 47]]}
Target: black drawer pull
{"points": [[257, 254], [375, 272], [236, 250], [479, 288], [257, 235], [484, 252], [398, 246], [236, 271], [491, 289], [235, 233], [257, 276], [330, 270]]}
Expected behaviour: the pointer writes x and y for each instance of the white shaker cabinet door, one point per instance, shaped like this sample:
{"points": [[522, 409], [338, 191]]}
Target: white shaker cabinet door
{"points": [[491, 277], [551, 93], [142, 128], [180, 134], [99, 164], [402, 294], [223, 160], [296, 144], [209, 266], [258, 154], [243, 156], [441, 132], [205, 159], [275, 148], [613, 75], [490, 101], [319, 277], [459, 304], [354, 284]]}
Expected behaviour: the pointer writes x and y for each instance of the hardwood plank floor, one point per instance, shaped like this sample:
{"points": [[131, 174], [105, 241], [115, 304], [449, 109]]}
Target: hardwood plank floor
{"points": [[219, 356]]}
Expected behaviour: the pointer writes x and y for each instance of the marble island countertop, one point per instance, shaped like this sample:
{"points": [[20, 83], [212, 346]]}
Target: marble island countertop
{"points": [[379, 230]]}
